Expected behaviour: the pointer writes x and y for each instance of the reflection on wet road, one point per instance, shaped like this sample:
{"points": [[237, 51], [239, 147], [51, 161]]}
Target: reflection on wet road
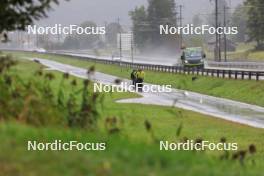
{"points": [[217, 107]]}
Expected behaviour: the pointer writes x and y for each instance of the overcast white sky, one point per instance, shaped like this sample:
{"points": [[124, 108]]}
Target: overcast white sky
{"points": [[100, 11]]}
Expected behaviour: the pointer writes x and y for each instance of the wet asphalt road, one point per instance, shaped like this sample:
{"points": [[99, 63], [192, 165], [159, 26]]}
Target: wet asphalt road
{"points": [[238, 112]]}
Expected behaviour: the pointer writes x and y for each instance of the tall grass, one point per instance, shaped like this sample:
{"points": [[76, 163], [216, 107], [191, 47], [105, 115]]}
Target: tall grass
{"points": [[33, 101]]}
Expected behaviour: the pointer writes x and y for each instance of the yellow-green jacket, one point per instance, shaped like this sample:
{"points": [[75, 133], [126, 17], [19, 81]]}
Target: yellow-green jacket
{"points": [[140, 74]]}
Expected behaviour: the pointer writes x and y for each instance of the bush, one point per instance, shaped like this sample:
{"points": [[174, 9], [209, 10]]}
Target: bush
{"points": [[34, 101]]}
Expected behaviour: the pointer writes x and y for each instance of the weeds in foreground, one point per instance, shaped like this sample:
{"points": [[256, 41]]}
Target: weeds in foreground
{"points": [[244, 157], [34, 101]]}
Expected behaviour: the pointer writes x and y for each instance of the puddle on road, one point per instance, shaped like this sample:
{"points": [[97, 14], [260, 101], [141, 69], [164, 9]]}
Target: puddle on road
{"points": [[227, 108], [223, 108]]}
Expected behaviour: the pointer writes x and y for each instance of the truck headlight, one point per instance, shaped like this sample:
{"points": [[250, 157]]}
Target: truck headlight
{"points": [[186, 62]]}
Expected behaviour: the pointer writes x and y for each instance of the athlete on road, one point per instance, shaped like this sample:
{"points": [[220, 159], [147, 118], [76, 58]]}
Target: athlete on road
{"points": [[140, 79], [133, 77]]}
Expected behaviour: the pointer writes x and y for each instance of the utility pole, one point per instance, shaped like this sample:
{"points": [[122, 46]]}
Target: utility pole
{"points": [[120, 39], [181, 38], [37, 40], [225, 8], [216, 35], [28, 41], [220, 45], [180, 18], [132, 47], [58, 38], [17, 38]]}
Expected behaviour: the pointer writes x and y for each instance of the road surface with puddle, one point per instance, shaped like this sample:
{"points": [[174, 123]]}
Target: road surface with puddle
{"points": [[234, 111]]}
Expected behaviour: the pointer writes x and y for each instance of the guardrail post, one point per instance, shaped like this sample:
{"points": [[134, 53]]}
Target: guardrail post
{"points": [[192, 71], [181, 70], [229, 74]]}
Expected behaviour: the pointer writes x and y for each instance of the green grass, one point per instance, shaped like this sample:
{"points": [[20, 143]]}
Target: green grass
{"points": [[257, 55], [136, 114], [240, 90], [121, 157], [247, 51], [244, 52], [133, 151]]}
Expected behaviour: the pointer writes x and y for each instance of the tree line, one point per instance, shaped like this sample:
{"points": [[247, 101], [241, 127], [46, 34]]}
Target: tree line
{"points": [[249, 17]]}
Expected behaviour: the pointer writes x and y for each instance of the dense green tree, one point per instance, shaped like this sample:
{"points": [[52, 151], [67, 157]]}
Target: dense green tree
{"points": [[239, 19], [71, 42], [197, 20], [140, 26], [160, 12], [112, 30], [84, 41], [146, 22], [17, 14], [255, 22], [88, 41]]}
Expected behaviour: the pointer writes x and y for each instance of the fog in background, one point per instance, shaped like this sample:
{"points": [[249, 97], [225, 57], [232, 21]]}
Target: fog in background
{"points": [[101, 11]]}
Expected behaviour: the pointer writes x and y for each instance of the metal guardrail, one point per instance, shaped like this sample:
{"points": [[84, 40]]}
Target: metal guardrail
{"points": [[213, 72], [229, 64], [240, 65], [220, 73]]}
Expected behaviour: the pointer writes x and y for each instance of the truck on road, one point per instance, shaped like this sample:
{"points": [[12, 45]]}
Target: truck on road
{"points": [[193, 57]]}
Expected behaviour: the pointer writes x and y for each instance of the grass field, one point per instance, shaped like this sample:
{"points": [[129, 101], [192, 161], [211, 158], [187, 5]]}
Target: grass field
{"points": [[241, 90], [257, 55], [121, 158], [132, 151], [244, 52]]}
